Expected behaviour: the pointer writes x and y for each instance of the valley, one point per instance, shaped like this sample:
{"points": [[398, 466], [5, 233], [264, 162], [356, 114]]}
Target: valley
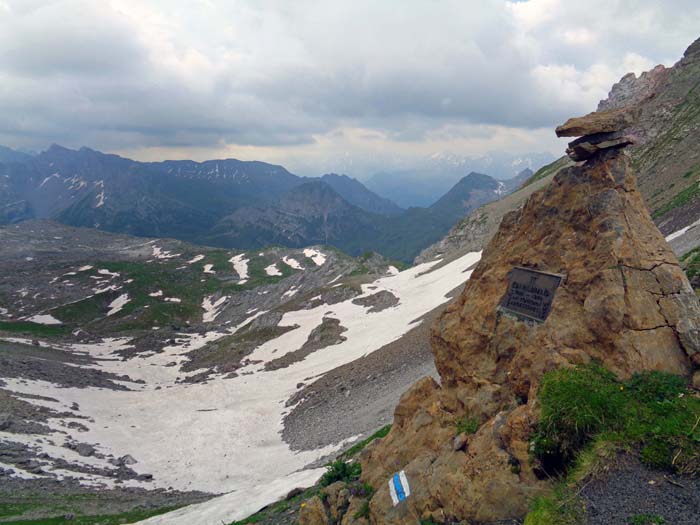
{"points": [[230, 349]]}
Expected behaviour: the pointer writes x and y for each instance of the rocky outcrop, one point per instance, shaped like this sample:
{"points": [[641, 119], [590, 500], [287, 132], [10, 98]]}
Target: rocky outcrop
{"points": [[623, 301], [631, 90], [339, 503]]}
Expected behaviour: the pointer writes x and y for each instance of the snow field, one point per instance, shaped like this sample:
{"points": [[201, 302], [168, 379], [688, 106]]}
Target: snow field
{"points": [[223, 436]]}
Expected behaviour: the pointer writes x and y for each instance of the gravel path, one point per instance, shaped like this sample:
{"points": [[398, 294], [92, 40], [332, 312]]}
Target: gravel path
{"points": [[630, 489], [359, 397]]}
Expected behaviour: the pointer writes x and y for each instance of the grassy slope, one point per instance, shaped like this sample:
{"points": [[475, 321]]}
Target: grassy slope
{"points": [[187, 282]]}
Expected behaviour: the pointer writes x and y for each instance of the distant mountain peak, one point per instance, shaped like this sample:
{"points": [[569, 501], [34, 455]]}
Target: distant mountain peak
{"points": [[357, 194]]}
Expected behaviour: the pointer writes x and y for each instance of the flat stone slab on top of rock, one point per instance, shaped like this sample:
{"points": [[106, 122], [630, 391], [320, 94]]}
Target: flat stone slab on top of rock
{"points": [[598, 131], [599, 122]]}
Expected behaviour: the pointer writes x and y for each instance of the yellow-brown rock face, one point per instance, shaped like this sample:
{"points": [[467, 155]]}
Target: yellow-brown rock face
{"points": [[624, 301]]}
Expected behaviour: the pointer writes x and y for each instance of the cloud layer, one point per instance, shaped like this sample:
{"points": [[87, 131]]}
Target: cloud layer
{"points": [[305, 82]]}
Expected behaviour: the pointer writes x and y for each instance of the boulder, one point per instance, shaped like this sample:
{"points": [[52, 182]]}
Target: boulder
{"points": [[313, 512], [623, 301], [85, 450]]}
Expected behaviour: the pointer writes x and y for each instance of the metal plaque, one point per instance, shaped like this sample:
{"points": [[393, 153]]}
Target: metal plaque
{"points": [[530, 293]]}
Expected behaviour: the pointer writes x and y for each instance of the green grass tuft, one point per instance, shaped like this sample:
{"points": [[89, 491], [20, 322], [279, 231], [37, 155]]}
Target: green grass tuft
{"points": [[340, 470], [646, 519], [691, 263], [468, 425], [561, 507], [653, 413], [357, 447]]}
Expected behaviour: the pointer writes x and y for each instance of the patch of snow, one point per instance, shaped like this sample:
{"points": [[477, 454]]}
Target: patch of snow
{"points": [[208, 268], [107, 272], [100, 199], [682, 231], [292, 263], [158, 293], [272, 270], [29, 259], [116, 305], [85, 268], [291, 292], [317, 257], [240, 264], [159, 253], [239, 504], [212, 308], [47, 179], [44, 319], [335, 279], [173, 300], [109, 288], [392, 270], [4, 311], [195, 259]]}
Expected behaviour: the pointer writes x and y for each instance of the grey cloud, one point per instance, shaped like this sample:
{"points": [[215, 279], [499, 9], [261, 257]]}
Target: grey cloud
{"points": [[129, 74]]}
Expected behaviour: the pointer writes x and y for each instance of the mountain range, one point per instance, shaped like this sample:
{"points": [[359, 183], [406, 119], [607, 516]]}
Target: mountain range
{"points": [[228, 203]]}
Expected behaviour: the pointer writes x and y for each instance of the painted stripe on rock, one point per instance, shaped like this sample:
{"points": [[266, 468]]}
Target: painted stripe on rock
{"points": [[404, 482], [399, 488]]}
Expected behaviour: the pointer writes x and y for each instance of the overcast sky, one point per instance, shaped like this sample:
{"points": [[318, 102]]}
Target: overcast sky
{"points": [[307, 83]]}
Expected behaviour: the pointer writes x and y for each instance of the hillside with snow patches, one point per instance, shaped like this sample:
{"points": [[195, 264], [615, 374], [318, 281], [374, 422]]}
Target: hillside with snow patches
{"points": [[119, 380]]}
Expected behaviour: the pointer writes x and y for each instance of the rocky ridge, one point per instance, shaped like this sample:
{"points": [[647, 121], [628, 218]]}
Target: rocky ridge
{"points": [[624, 302]]}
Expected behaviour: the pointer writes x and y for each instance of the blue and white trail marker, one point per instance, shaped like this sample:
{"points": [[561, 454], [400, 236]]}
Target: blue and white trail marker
{"points": [[398, 487]]}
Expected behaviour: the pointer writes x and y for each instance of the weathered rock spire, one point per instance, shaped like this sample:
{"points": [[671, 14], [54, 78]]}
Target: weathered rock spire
{"points": [[624, 301]]}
